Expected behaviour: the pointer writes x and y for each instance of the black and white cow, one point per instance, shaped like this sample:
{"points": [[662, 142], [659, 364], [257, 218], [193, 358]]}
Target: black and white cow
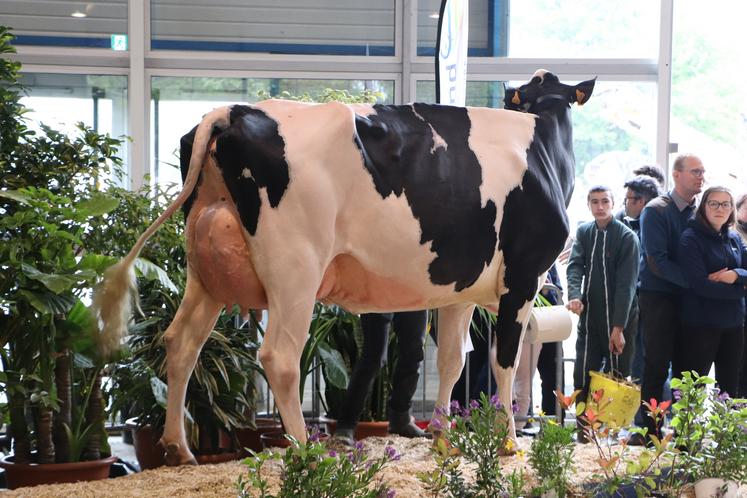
{"points": [[374, 208]]}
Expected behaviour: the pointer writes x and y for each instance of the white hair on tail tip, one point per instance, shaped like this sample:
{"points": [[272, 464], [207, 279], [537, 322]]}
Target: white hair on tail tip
{"points": [[112, 305], [112, 297]]}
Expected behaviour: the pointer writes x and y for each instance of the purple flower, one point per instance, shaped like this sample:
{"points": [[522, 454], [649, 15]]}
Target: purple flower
{"points": [[332, 453], [474, 404], [314, 437], [436, 424], [359, 445], [440, 411], [390, 493], [454, 406], [495, 401], [677, 394], [391, 453]]}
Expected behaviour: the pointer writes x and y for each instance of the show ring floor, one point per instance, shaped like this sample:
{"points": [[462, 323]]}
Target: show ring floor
{"points": [[219, 480]]}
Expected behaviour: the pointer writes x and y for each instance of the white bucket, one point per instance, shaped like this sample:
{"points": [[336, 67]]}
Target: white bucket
{"points": [[711, 488], [548, 324]]}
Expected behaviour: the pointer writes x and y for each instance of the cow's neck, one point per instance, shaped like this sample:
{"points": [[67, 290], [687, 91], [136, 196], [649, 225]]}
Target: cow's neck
{"points": [[557, 129]]}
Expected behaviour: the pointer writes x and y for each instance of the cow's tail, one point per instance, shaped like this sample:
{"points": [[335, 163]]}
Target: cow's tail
{"points": [[113, 297]]}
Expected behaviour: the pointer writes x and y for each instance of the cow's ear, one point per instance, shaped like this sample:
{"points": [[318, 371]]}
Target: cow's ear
{"points": [[583, 91]]}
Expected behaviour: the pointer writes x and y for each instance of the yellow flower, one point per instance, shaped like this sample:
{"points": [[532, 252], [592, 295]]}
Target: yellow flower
{"points": [[509, 445]]}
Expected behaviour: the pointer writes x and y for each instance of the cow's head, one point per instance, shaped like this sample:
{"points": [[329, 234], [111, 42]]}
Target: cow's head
{"points": [[545, 92]]}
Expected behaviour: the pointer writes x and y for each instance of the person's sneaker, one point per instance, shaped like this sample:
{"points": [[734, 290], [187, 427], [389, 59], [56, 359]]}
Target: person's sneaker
{"points": [[345, 436], [409, 430], [581, 437], [401, 424]]}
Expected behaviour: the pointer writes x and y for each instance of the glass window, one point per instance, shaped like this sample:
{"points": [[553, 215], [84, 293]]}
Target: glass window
{"points": [[331, 27], [67, 24], [479, 93], [178, 104], [709, 104], [552, 28], [62, 100]]}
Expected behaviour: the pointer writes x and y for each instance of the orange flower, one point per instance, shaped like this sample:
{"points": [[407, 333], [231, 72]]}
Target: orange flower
{"points": [[566, 401], [597, 395]]}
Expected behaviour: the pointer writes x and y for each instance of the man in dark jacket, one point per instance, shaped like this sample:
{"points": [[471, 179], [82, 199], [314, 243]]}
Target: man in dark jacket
{"points": [[661, 280], [638, 192], [602, 274]]}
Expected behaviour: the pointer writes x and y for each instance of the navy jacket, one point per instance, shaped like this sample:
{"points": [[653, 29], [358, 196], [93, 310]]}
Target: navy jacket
{"points": [[705, 303], [662, 225]]}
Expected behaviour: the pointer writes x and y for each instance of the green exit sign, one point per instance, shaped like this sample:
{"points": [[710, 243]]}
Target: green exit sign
{"points": [[119, 42]]}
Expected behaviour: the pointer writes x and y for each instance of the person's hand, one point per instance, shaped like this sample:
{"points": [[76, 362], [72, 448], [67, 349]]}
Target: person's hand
{"points": [[575, 306], [564, 256], [617, 340], [725, 276]]}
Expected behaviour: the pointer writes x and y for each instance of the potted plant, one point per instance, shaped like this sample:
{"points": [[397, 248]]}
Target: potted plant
{"points": [[318, 353], [49, 201], [711, 430]]}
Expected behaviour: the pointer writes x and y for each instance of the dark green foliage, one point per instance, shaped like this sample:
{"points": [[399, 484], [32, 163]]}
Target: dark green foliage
{"points": [[311, 471]]}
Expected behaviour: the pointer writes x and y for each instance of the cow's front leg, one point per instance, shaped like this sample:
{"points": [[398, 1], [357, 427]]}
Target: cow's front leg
{"points": [[453, 329], [513, 315], [184, 338], [280, 354]]}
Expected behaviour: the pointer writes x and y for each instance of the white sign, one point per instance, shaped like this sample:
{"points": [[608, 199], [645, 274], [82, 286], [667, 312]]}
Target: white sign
{"points": [[119, 42], [451, 55]]}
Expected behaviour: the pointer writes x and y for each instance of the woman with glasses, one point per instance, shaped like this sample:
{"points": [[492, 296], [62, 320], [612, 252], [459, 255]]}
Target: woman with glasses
{"points": [[713, 259]]}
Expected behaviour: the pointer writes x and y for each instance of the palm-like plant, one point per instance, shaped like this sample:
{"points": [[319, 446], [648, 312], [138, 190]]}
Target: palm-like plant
{"points": [[49, 200]]}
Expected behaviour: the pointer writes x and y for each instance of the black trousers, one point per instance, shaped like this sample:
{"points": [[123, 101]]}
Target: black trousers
{"points": [[546, 367], [410, 330], [742, 390], [698, 348], [593, 353], [660, 325]]}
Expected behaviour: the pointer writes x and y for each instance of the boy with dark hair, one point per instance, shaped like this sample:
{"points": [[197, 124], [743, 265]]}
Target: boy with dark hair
{"points": [[602, 275]]}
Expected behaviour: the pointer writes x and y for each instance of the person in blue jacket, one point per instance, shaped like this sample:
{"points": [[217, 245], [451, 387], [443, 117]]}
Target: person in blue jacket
{"points": [[713, 259]]}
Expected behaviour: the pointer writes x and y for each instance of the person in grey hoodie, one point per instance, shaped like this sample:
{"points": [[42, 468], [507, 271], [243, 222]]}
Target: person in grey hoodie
{"points": [[602, 275]]}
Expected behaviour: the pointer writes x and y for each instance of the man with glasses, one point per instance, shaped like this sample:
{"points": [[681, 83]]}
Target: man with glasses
{"points": [[638, 192], [661, 281]]}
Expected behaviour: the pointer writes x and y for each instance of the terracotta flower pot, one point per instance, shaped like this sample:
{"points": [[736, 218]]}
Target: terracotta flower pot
{"points": [[147, 450], [150, 454], [33, 474], [249, 438]]}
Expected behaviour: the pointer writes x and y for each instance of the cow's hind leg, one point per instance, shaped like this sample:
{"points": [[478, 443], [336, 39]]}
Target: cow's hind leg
{"points": [[184, 339], [290, 313], [513, 315], [453, 327]]}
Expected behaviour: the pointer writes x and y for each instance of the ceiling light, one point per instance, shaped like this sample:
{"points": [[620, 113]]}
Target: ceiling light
{"points": [[434, 15], [78, 13]]}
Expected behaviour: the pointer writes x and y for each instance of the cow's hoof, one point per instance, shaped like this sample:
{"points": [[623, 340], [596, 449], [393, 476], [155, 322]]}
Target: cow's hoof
{"points": [[175, 457]]}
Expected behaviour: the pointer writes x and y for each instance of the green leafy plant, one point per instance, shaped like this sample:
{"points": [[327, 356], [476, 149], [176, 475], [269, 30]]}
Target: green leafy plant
{"points": [[618, 466], [479, 434], [311, 470], [710, 429], [551, 457], [51, 197]]}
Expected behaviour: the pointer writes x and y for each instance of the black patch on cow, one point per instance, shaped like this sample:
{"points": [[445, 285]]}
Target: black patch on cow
{"points": [[442, 186], [252, 142], [185, 154], [535, 224]]}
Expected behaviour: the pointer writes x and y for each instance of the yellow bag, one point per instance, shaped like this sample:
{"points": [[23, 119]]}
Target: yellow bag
{"points": [[620, 400]]}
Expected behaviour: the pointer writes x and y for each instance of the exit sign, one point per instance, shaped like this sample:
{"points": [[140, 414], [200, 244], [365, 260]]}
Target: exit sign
{"points": [[119, 42]]}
